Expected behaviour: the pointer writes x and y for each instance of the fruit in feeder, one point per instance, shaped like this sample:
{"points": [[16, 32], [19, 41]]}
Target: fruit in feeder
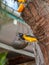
{"points": [[21, 0], [21, 7]]}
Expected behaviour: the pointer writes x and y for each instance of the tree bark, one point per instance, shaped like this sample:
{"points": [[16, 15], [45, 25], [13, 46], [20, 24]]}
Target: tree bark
{"points": [[36, 14]]}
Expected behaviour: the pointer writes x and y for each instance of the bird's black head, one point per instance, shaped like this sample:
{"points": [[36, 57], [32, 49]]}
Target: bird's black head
{"points": [[20, 35], [15, 0]]}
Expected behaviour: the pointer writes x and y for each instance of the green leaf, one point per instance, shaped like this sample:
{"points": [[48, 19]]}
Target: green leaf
{"points": [[3, 58]]}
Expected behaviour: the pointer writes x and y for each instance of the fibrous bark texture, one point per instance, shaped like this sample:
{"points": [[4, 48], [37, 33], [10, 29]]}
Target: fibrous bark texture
{"points": [[36, 14]]}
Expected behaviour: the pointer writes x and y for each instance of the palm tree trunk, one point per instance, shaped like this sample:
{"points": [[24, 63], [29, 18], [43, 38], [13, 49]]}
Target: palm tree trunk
{"points": [[36, 15]]}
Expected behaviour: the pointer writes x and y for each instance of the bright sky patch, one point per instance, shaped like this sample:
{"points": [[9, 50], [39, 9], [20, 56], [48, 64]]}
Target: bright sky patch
{"points": [[11, 3]]}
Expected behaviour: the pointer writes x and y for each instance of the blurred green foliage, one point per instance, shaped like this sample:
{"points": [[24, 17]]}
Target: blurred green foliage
{"points": [[3, 59]]}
